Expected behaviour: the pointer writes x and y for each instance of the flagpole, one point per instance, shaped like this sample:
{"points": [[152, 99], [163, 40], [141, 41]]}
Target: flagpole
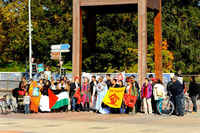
{"points": [[30, 38]]}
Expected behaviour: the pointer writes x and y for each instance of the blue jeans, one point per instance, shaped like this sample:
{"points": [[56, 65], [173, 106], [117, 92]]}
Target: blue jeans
{"points": [[180, 104], [74, 103], [26, 109]]}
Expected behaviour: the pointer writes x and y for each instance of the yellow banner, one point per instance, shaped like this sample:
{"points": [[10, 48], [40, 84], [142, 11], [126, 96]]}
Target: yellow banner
{"points": [[114, 97]]}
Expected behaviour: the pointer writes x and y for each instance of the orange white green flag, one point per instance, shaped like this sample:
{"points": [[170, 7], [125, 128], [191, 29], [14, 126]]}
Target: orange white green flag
{"points": [[114, 97]]}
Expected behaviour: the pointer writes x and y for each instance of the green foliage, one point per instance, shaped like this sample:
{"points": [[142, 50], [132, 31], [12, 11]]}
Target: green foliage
{"points": [[116, 46]]}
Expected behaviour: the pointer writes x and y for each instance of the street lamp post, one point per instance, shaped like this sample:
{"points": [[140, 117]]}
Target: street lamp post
{"points": [[30, 38]]}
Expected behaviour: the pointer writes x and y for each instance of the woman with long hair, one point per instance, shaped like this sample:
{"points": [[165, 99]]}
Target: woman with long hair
{"points": [[146, 94]]}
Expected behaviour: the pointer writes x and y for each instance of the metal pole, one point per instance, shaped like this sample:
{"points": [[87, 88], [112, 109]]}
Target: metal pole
{"points": [[30, 45], [60, 63]]}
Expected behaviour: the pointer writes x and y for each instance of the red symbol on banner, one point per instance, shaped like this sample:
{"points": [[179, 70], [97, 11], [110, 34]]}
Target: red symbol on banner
{"points": [[113, 99]]}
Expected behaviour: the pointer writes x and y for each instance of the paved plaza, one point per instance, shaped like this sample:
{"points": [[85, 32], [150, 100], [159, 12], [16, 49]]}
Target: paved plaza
{"points": [[74, 122]]}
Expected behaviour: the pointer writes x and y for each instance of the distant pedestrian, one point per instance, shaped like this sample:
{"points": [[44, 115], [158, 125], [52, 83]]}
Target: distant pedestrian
{"points": [[193, 92]]}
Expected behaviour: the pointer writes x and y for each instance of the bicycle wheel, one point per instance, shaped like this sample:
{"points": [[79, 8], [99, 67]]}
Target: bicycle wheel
{"points": [[166, 107], [187, 105]]}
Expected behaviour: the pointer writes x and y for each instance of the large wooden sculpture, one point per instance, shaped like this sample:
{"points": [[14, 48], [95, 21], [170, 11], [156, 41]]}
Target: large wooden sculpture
{"points": [[143, 5]]}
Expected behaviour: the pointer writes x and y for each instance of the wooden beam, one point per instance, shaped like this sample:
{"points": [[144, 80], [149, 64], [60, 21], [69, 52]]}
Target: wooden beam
{"points": [[154, 4], [106, 2], [142, 40], [158, 43], [77, 40]]}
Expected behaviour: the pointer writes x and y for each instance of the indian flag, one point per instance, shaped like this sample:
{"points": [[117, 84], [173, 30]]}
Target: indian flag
{"points": [[59, 100]]}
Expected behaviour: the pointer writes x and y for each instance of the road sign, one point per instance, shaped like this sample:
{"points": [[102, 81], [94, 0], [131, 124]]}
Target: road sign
{"points": [[55, 47], [64, 46], [60, 47], [55, 50], [65, 51], [55, 55]]}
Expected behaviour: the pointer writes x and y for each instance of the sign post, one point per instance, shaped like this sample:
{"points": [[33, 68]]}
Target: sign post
{"points": [[56, 53]]}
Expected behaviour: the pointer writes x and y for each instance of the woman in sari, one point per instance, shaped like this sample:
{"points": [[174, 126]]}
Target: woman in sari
{"points": [[35, 94]]}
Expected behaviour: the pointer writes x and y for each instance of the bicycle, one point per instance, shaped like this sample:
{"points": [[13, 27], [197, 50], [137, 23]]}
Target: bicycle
{"points": [[166, 107], [188, 104], [7, 104]]}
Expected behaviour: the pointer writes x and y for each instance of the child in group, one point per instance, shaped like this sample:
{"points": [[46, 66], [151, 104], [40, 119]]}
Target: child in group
{"points": [[26, 103]]}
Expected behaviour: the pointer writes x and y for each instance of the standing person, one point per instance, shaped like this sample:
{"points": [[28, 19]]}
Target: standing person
{"points": [[53, 86], [101, 92], [108, 81], [121, 83], [44, 99], [131, 96], [153, 81], [146, 94], [85, 90], [171, 93], [64, 87], [179, 96], [74, 87], [159, 94], [93, 91], [26, 103], [136, 88], [34, 92], [193, 92], [114, 83]]}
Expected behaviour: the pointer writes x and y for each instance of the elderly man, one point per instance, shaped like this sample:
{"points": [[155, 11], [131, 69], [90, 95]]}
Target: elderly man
{"points": [[179, 96]]}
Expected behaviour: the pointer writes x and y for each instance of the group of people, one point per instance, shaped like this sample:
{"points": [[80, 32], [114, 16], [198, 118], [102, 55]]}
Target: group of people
{"points": [[89, 95]]}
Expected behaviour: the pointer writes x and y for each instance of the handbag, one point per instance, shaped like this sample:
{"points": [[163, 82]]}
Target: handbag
{"points": [[130, 100]]}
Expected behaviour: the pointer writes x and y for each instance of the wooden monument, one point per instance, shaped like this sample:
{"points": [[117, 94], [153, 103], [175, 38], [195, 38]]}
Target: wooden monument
{"points": [[94, 6]]}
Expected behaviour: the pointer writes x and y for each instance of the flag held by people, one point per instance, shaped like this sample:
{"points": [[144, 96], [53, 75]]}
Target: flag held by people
{"points": [[114, 97]]}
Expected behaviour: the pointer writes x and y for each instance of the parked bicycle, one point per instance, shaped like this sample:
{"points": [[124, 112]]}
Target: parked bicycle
{"points": [[166, 107], [7, 104]]}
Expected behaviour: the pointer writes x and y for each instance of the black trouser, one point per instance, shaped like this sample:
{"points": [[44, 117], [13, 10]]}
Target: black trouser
{"points": [[153, 104], [194, 101], [86, 106], [138, 105], [173, 99]]}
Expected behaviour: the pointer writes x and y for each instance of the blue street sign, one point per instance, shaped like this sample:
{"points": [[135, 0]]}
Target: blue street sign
{"points": [[64, 46]]}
